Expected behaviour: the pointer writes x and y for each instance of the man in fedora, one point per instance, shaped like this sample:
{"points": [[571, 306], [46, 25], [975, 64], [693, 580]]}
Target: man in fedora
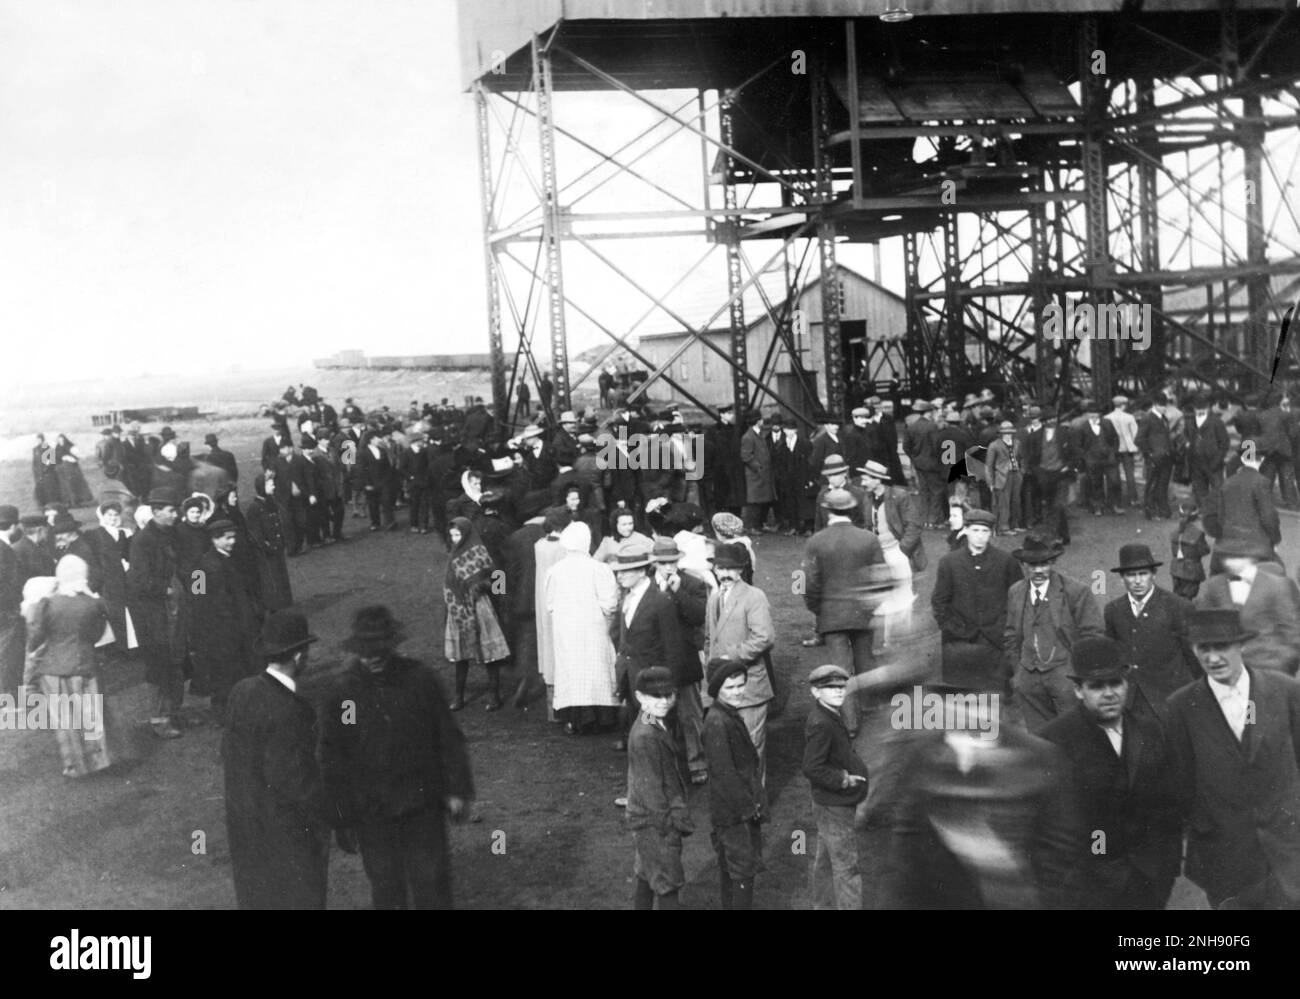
{"points": [[395, 763], [1119, 770], [889, 512], [969, 603], [1207, 445], [277, 814], [1156, 444], [646, 631], [1149, 624], [738, 625], [154, 594], [921, 444], [1006, 465], [1234, 736], [827, 440], [1268, 601], [837, 574], [1047, 615], [835, 472], [1242, 508], [690, 598]]}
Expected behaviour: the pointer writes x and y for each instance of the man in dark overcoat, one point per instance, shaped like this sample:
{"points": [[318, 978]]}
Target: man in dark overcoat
{"points": [[223, 618], [395, 763], [153, 589], [1234, 736], [277, 815], [1120, 773], [1150, 625]]}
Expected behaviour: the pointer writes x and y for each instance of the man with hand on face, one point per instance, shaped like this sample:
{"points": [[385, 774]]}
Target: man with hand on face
{"points": [[737, 801], [395, 763], [657, 812], [1150, 626], [1234, 736], [839, 783], [970, 606], [1119, 770], [738, 625]]}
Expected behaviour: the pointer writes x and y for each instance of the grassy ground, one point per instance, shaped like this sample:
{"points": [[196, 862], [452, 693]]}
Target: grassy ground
{"points": [[546, 833]]}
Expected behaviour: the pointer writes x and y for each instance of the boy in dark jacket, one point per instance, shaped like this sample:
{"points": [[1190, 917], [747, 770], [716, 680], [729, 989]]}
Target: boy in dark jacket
{"points": [[656, 795], [839, 782], [737, 803]]}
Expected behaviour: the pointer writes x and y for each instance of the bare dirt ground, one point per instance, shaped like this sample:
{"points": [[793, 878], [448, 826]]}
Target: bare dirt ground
{"points": [[546, 833]]}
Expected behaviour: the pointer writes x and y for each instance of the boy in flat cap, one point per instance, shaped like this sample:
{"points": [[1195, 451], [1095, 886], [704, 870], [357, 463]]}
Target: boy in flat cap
{"points": [[839, 782], [657, 812], [737, 802]]}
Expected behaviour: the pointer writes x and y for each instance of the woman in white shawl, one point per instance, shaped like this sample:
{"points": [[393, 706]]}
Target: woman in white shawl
{"points": [[582, 597]]}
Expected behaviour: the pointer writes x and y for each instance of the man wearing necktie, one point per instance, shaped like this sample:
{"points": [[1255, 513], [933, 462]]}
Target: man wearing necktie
{"points": [[1119, 771], [1156, 444], [1047, 614], [1234, 736]]}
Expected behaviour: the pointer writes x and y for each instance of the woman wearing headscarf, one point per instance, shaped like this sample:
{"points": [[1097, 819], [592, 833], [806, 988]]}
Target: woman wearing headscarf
{"points": [[622, 528], [582, 597], [67, 466], [266, 533], [473, 632], [61, 642]]}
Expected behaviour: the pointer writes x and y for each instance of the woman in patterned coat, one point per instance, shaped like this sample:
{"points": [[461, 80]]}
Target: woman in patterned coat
{"points": [[473, 633]]}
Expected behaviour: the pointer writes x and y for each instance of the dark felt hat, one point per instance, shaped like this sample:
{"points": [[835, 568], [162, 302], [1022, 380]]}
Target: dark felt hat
{"points": [[839, 500], [732, 556], [1216, 626], [64, 522], [163, 496], [210, 440], [1134, 557], [1038, 548], [285, 631], [1097, 659], [374, 629], [216, 528], [8, 517], [720, 669]]}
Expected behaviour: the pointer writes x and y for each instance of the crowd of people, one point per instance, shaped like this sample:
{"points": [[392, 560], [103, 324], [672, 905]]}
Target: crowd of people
{"points": [[621, 588]]}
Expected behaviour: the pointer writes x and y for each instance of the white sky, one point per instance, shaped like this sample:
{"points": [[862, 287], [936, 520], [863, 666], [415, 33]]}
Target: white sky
{"points": [[273, 181]]}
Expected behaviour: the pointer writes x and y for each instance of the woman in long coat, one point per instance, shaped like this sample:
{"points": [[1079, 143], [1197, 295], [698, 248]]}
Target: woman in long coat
{"points": [[67, 466], [546, 553], [61, 641], [45, 480], [266, 533], [582, 596], [112, 548], [473, 632]]}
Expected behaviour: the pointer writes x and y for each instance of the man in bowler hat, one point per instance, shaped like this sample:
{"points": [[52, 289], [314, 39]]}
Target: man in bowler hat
{"points": [[277, 814], [1119, 769], [1234, 736], [396, 765], [1150, 625]]}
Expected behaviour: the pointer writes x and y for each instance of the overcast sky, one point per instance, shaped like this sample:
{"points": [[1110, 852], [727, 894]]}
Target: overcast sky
{"points": [[269, 181]]}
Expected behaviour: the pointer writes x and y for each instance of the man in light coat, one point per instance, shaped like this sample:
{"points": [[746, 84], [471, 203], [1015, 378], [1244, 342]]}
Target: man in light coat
{"points": [[1006, 466], [738, 625]]}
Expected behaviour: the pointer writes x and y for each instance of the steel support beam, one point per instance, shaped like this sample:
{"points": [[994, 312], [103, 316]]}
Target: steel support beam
{"points": [[832, 349], [731, 241], [954, 328], [500, 397], [552, 233], [1095, 99]]}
